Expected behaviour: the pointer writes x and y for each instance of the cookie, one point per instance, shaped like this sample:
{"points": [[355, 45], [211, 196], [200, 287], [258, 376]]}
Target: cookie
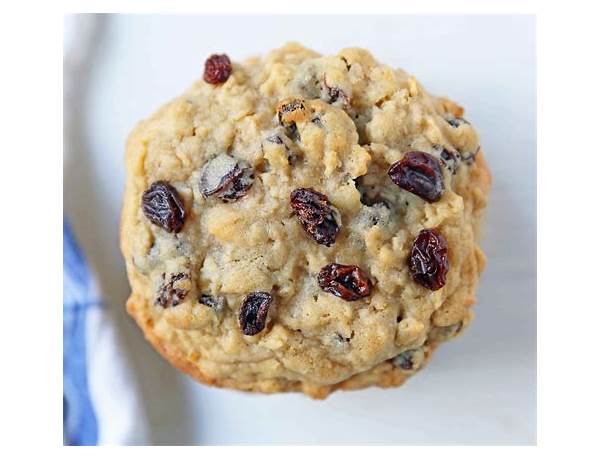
{"points": [[301, 222]]}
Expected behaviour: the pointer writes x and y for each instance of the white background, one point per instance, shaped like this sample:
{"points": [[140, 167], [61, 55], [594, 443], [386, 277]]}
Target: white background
{"points": [[477, 389]]}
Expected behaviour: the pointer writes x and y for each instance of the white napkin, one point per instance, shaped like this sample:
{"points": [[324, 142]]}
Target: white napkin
{"points": [[111, 386]]}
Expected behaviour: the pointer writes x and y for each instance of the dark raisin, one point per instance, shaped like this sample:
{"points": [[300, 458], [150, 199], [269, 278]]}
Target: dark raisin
{"points": [[225, 177], [317, 121], [216, 303], [217, 69], [451, 160], [409, 360], [345, 62], [419, 173], [428, 262], [340, 338], [345, 281], [238, 186], [317, 216], [334, 95], [275, 139], [253, 314], [163, 207], [456, 122], [337, 94], [172, 292]]}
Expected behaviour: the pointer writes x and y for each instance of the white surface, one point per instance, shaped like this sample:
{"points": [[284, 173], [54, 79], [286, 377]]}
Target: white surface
{"points": [[478, 389]]}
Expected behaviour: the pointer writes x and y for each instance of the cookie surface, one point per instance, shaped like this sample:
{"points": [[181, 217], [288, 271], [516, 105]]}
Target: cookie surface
{"points": [[303, 223]]}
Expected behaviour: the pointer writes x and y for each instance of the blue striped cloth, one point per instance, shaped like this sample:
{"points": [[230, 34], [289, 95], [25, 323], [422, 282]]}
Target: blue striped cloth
{"points": [[80, 427]]}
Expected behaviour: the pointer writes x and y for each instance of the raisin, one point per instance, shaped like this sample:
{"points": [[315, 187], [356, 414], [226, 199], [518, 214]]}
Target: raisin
{"points": [[171, 293], [341, 339], [450, 159], [334, 94], [456, 122], [216, 303], [410, 360], [346, 62], [428, 262], [162, 206], [419, 173], [345, 281], [253, 314], [275, 139], [317, 121], [217, 69], [226, 178], [317, 216]]}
